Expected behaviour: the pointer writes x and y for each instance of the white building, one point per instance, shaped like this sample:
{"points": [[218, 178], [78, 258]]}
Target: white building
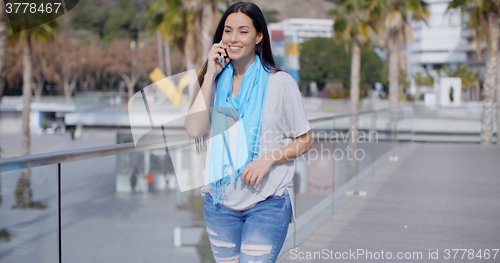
{"points": [[437, 43], [306, 27]]}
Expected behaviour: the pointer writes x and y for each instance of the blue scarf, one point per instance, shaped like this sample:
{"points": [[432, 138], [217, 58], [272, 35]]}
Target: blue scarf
{"points": [[247, 107]]}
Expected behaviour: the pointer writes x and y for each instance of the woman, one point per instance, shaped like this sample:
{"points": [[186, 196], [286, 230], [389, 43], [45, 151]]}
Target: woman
{"points": [[250, 166]]}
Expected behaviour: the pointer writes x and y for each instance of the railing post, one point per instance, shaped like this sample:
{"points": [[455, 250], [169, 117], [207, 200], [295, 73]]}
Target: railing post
{"points": [[412, 124], [59, 242]]}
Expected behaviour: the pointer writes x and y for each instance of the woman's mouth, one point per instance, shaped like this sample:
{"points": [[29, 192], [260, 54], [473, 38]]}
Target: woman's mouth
{"points": [[234, 49]]}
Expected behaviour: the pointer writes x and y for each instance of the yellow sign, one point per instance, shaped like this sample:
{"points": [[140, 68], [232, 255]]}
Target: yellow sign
{"points": [[168, 87], [292, 49]]}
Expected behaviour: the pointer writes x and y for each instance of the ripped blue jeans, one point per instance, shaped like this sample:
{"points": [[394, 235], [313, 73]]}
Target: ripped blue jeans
{"points": [[253, 235]]}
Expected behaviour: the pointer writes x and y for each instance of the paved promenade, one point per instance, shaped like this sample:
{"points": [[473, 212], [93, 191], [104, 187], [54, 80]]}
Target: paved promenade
{"points": [[436, 197]]}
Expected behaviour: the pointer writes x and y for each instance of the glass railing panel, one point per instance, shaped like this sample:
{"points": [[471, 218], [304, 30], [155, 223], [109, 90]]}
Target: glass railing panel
{"points": [[314, 184], [314, 176], [118, 213], [112, 212], [367, 151], [457, 124], [29, 215], [348, 163]]}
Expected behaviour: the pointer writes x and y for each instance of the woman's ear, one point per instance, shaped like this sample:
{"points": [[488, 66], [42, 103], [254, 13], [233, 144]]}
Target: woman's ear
{"points": [[260, 36]]}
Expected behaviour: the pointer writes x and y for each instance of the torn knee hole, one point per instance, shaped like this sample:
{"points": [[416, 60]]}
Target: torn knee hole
{"points": [[211, 232], [234, 259], [219, 243], [256, 249]]}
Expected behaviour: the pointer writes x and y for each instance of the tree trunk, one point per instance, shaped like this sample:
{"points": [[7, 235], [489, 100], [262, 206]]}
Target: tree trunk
{"points": [[168, 63], [355, 77], [130, 83], [206, 25], [65, 80], [23, 191], [97, 80], [130, 86], [393, 70], [159, 39], [354, 93], [198, 39], [477, 91], [69, 84], [497, 91], [92, 82], [3, 45], [72, 86], [27, 77], [490, 83], [189, 51], [38, 86]]}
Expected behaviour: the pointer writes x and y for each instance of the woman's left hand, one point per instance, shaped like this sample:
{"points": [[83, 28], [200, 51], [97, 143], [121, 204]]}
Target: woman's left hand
{"points": [[255, 171]]}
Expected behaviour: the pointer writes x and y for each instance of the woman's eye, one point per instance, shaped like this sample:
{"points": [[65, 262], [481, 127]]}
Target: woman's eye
{"points": [[227, 31], [243, 32]]}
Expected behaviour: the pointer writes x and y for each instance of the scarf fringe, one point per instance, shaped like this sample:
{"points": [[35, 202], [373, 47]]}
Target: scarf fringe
{"points": [[238, 177], [217, 190]]}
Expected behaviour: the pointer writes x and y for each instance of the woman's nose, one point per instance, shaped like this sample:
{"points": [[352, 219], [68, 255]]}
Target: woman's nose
{"points": [[233, 38]]}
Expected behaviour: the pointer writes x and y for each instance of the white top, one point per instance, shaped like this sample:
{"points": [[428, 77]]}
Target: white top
{"points": [[284, 118]]}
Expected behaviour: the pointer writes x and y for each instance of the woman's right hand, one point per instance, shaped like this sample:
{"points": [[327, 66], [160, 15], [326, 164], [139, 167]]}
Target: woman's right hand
{"points": [[214, 65]]}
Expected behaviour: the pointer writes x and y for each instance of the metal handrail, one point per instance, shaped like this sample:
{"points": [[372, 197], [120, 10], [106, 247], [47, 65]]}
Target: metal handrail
{"points": [[34, 160], [321, 119]]}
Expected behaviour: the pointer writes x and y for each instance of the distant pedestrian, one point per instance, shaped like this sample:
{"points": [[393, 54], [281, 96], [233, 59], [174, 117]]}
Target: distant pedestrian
{"points": [[54, 127], [168, 175], [133, 180], [150, 179]]}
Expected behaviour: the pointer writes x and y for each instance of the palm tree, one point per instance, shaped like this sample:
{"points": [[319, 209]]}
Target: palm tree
{"points": [[484, 19], [355, 20], [176, 25], [26, 38], [3, 45], [188, 24], [167, 16], [398, 29]]}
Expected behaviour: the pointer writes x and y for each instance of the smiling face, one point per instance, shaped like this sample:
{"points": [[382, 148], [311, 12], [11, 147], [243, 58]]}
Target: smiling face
{"points": [[241, 37]]}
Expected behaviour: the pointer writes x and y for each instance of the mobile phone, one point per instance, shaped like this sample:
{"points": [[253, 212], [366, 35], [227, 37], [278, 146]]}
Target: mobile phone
{"points": [[223, 62]]}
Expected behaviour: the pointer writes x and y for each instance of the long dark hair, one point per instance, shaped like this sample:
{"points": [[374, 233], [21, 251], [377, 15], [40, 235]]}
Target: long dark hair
{"points": [[263, 49]]}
